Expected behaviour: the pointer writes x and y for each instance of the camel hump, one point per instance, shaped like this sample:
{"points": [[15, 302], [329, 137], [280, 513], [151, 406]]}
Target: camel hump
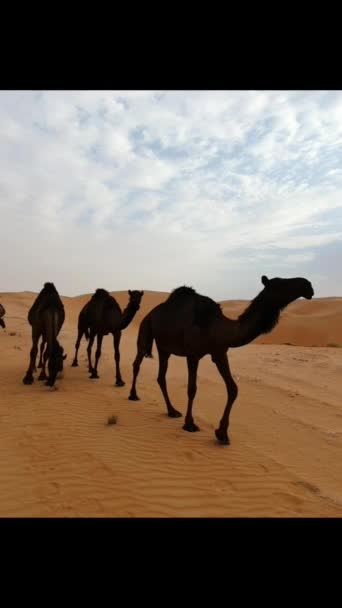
{"points": [[51, 300], [181, 293], [108, 302], [101, 294], [112, 304], [205, 311], [101, 304], [49, 287], [48, 297]]}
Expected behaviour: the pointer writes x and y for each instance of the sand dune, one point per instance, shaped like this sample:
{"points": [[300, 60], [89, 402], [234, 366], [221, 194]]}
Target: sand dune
{"points": [[58, 457], [303, 323]]}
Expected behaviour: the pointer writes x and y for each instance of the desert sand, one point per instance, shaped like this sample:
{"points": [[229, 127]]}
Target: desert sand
{"points": [[58, 456]]}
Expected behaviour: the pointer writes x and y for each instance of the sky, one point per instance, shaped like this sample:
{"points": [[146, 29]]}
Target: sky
{"points": [[156, 189]]}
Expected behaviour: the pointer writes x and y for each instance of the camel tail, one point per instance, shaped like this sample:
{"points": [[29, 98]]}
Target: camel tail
{"points": [[145, 337]]}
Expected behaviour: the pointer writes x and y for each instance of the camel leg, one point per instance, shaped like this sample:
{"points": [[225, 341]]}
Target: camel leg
{"points": [[232, 391], [28, 378], [42, 375], [117, 338], [52, 370], [40, 364], [136, 367], [90, 344], [77, 345], [94, 373], [192, 388], [163, 364]]}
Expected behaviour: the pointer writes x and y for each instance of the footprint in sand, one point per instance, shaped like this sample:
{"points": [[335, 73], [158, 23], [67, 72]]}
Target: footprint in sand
{"points": [[308, 486], [289, 498]]}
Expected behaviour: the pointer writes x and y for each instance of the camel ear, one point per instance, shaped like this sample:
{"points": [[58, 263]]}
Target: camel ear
{"points": [[264, 280], [142, 293], [129, 292]]}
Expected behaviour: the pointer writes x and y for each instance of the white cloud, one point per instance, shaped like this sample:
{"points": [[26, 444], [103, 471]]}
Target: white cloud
{"points": [[203, 187]]}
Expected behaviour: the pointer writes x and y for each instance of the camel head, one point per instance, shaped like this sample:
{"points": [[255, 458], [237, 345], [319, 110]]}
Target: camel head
{"points": [[284, 291], [135, 298], [56, 359], [60, 357]]}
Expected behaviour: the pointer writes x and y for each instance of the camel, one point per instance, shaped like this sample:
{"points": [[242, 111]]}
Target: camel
{"points": [[100, 316], [192, 326], [46, 316], [2, 314]]}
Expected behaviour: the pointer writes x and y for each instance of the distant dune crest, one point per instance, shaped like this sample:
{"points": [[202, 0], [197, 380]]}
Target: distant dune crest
{"points": [[314, 323]]}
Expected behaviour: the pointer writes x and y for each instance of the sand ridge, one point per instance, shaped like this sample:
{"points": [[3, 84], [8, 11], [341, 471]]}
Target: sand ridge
{"points": [[59, 458]]}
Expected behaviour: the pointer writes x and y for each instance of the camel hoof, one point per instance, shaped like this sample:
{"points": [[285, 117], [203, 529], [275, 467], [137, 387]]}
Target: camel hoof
{"points": [[94, 376], [120, 383], [222, 437], [133, 398], [74, 364], [191, 428], [27, 380], [40, 378], [174, 414], [53, 387]]}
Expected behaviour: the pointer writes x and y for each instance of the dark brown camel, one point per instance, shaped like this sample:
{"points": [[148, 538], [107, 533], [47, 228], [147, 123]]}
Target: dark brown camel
{"points": [[190, 325], [46, 316], [100, 316], [2, 314]]}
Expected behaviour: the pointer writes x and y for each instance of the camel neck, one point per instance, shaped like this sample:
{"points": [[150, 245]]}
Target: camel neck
{"points": [[128, 314], [248, 329], [254, 321]]}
